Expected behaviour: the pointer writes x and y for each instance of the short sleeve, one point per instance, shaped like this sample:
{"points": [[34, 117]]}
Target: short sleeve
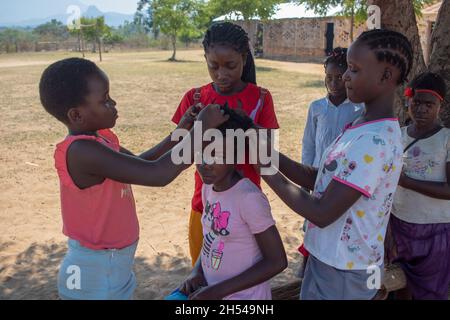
{"points": [[267, 118], [256, 212], [365, 163], [185, 103]]}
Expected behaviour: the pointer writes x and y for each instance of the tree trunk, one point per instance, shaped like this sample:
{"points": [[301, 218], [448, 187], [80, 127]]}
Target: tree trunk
{"points": [[399, 16], [82, 41], [352, 23], [440, 54], [174, 46], [100, 48], [79, 42]]}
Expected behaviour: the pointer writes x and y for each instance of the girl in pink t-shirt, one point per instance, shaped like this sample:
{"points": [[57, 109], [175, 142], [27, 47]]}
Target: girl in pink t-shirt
{"points": [[242, 248], [95, 173]]}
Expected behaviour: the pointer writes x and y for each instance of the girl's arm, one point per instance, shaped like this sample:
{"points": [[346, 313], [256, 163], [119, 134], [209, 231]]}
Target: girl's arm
{"points": [[437, 190], [336, 200], [301, 175], [87, 159], [273, 262]]}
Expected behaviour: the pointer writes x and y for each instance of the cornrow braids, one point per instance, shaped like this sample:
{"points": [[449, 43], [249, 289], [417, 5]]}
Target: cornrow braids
{"points": [[391, 47], [338, 57], [230, 34]]}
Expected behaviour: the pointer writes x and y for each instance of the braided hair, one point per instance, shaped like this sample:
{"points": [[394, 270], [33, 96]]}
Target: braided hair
{"points": [[391, 47], [337, 57], [229, 34]]}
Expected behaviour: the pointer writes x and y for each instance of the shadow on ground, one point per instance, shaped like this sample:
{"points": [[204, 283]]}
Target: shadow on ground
{"points": [[33, 274]]}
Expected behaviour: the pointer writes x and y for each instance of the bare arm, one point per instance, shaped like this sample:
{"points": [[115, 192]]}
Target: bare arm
{"points": [[336, 200], [88, 159], [437, 190], [298, 173]]}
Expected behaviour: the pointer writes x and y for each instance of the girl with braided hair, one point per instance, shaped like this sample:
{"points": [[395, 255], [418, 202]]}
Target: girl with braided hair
{"points": [[327, 118], [232, 70], [242, 249], [358, 174]]}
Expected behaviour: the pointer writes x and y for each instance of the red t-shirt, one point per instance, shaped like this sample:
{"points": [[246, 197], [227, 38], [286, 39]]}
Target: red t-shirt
{"points": [[249, 98]]}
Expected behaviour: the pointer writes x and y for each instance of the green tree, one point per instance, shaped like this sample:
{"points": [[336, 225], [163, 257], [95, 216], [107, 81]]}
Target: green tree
{"points": [[52, 31], [172, 17], [355, 9], [248, 9], [94, 30], [16, 40], [113, 38]]}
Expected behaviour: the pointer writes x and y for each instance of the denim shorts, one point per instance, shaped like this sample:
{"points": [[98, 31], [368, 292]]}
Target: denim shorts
{"points": [[87, 274]]}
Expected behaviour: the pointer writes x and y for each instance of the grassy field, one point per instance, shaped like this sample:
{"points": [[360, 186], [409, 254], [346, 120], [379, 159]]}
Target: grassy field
{"points": [[148, 89]]}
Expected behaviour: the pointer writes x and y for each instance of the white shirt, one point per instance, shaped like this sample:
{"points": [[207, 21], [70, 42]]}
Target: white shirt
{"points": [[426, 160], [325, 122], [368, 158]]}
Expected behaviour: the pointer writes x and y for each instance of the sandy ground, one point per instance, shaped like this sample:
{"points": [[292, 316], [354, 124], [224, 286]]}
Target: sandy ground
{"points": [[148, 89]]}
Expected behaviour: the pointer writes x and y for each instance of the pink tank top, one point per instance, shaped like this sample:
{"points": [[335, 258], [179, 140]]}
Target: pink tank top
{"points": [[102, 216]]}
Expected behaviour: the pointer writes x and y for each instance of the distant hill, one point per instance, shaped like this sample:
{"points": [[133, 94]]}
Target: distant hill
{"points": [[31, 13]]}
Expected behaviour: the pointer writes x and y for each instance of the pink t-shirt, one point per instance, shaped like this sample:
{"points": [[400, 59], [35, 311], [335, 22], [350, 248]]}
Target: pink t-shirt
{"points": [[102, 216], [230, 220]]}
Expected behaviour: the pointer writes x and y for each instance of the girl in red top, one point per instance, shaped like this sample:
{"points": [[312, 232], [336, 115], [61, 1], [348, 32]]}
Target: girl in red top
{"points": [[232, 70]]}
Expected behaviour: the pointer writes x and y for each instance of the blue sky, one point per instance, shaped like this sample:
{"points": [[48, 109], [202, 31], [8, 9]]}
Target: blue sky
{"points": [[121, 6]]}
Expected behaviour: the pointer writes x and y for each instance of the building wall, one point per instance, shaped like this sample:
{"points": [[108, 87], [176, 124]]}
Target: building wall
{"points": [[300, 39]]}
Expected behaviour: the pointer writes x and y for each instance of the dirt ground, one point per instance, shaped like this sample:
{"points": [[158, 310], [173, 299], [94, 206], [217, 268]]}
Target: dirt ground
{"points": [[148, 90]]}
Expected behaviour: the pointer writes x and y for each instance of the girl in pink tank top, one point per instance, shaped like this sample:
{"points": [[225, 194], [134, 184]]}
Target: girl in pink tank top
{"points": [[96, 173]]}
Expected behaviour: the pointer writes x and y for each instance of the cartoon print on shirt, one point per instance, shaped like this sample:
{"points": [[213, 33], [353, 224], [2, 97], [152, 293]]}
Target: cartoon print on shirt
{"points": [[385, 208], [375, 255], [418, 165], [378, 141], [349, 167], [345, 233], [218, 221]]}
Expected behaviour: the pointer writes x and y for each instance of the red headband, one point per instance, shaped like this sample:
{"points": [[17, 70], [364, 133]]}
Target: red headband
{"points": [[410, 92]]}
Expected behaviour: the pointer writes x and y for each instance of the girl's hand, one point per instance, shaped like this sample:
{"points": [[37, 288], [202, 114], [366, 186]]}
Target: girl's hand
{"points": [[206, 293], [189, 117], [194, 282], [212, 116]]}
